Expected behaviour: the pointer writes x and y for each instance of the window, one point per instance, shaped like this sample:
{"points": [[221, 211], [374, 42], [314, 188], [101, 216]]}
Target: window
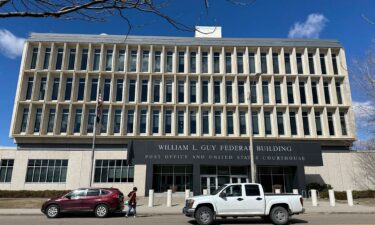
{"points": [[330, 124], [239, 62], [275, 62], [334, 64], [72, 59], [255, 122], [77, 121], [217, 91], [93, 192], [108, 61], [205, 122], [230, 129], [34, 58], [299, 63], [84, 57], [119, 87], [280, 123], [143, 121], [302, 92], [38, 120], [94, 89], [155, 121], [96, 59], [181, 91], [229, 92], [55, 88], [217, 122], [6, 170], [104, 121], [228, 62], [131, 91], [59, 58], [121, 60], [311, 63], [51, 120], [290, 92], [293, 123], [267, 122], [47, 56], [107, 89], [180, 122], [29, 90], [305, 120], [242, 121], [157, 61], [81, 89], [156, 88], [42, 88], [233, 191], [144, 92], [241, 92], [113, 171], [193, 91], [193, 62], [204, 62], [46, 171], [344, 131], [90, 121], [168, 122], [24, 122], [263, 61], [64, 120], [252, 190], [318, 123], [253, 91], [169, 61], [117, 121], [193, 122], [323, 63], [168, 91], [130, 121], [204, 91], [145, 57], [216, 62], [288, 69], [338, 92], [326, 93], [266, 98], [133, 60], [314, 92], [181, 62], [68, 88], [252, 62], [277, 92]]}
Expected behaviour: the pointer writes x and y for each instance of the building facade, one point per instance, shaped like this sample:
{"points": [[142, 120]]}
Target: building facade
{"points": [[177, 111]]}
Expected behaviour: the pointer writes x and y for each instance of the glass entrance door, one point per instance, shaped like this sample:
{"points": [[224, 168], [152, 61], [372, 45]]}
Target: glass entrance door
{"points": [[239, 179], [209, 183]]}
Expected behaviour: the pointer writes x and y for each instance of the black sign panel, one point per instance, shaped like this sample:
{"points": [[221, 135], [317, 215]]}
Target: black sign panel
{"points": [[224, 152]]}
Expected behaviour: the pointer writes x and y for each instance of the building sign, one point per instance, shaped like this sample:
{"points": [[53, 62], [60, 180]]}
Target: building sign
{"points": [[224, 152]]}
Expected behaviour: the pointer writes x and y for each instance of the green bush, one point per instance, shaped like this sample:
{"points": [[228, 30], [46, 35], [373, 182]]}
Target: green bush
{"points": [[319, 187], [32, 194]]}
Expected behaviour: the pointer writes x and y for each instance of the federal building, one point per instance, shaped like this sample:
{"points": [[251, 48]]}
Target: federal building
{"points": [[177, 113]]}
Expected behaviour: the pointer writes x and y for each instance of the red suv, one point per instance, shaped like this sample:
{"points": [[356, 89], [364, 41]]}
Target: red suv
{"points": [[101, 201]]}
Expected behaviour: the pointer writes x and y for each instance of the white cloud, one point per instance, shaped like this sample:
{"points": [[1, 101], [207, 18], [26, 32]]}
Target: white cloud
{"points": [[311, 28], [11, 46], [363, 110]]}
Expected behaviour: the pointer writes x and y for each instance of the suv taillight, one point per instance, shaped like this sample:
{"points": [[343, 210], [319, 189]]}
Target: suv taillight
{"points": [[301, 200]]}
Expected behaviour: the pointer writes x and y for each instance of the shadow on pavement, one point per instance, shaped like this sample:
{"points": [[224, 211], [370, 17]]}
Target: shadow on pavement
{"points": [[248, 221]]}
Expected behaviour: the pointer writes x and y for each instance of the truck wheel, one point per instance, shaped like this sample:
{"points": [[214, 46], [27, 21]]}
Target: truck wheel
{"points": [[53, 211], [204, 216], [101, 211], [279, 215]]}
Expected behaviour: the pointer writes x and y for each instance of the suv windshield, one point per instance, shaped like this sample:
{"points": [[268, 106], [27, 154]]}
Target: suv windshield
{"points": [[218, 190]]}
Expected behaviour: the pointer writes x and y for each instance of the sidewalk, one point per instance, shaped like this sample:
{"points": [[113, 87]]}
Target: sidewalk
{"points": [[160, 208]]}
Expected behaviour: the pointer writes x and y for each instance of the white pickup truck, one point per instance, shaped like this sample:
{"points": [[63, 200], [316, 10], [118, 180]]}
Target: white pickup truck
{"points": [[243, 200]]}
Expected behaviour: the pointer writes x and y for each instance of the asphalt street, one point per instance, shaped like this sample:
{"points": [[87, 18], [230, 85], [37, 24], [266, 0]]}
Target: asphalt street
{"points": [[181, 220]]}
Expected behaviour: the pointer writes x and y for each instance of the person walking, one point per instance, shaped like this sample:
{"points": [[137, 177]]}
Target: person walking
{"points": [[132, 202]]}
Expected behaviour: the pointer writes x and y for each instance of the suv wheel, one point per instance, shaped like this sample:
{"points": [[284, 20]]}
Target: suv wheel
{"points": [[279, 215], [101, 211], [53, 211], [204, 216]]}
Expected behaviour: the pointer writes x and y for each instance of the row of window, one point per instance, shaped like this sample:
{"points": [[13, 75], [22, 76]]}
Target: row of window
{"points": [[232, 63], [55, 171], [233, 91], [176, 120]]}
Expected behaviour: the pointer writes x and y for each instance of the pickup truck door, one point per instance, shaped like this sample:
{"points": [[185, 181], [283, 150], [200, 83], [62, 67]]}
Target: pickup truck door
{"points": [[230, 200], [254, 200]]}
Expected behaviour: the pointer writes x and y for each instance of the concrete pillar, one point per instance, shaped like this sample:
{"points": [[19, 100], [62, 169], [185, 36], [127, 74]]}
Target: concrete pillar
{"points": [[331, 194], [151, 198], [187, 193], [314, 197], [277, 191], [196, 176], [205, 192], [295, 191], [349, 196], [169, 198]]}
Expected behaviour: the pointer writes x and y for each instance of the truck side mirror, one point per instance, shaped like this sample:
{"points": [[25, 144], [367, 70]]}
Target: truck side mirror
{"points": [[223, 194]]}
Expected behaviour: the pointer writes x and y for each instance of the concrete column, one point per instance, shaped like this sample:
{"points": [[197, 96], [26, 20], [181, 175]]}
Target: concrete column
{"points": [[169, 198], [349, 196], [187, 193], [314, 197], [295, 191], [205, 192], [151, 198], [331, 194], [196, 178], [277, 191], [149, 173]]}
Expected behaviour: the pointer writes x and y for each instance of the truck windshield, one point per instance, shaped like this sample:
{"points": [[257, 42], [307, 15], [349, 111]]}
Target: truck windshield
{"points": [[218, 190]]}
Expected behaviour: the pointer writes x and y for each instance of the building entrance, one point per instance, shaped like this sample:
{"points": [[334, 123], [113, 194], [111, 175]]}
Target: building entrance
{"points": [[276, 177], [178, 178]]}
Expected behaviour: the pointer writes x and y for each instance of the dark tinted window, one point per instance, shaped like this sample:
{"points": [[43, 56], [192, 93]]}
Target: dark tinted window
{"points": [[252, 190], [93, 192], [104, 192]]}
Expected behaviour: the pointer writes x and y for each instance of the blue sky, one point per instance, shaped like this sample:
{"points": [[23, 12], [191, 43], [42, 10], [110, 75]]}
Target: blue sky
{"points": [[338, 19]]}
